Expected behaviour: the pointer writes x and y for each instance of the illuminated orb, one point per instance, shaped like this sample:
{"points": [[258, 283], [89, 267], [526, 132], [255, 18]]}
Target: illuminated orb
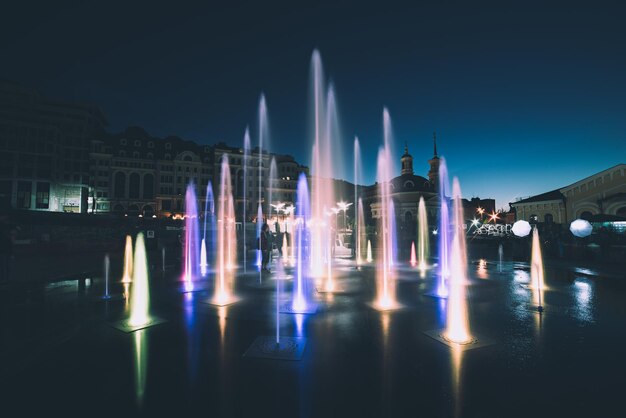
{"points": [[521, 228], [580, 228]]}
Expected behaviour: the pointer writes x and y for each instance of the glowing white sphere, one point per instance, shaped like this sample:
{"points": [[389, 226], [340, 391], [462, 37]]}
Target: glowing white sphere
{"points": [[521, 228], [580, 228]]}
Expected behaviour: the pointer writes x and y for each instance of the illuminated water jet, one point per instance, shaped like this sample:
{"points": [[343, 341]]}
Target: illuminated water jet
{"points": [[422, 237], [444, 231], [369, 258], [386, 286], [536, 272], [226, 250], [140, 295], [246, 156], [192, 239], [106, 277], [413, 255], [457, 322], [128, 260]]}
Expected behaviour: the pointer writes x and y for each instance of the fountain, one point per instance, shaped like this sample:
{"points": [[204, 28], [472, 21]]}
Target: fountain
{"points": [[163, 260], [369, 258], [422, 237], [301, 300], [500, 257], [263, 136], [209, 213], [536, 272], [360, 233], [413, 255], [457, 323], [140, 294], [192, 238], [385, 272], [322, 197], [359, 208], [444, 232], [246, 156], [106, 277], [226, 248], [128, 260]]}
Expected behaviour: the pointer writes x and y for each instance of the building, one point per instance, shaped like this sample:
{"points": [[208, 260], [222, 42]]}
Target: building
{"points": [[44, 147], [591, 198], [407, 189], [135, 174]]}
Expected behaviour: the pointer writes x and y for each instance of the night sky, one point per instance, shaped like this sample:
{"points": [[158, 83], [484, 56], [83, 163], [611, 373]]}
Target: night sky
{"points": [[524, 97]]}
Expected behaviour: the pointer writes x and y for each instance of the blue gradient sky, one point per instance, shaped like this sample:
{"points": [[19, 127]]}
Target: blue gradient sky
{"points": [[525, 97]]}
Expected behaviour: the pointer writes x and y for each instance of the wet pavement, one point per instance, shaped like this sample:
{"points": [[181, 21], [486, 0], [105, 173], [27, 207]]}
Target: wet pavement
{"points": [[59, 352]]}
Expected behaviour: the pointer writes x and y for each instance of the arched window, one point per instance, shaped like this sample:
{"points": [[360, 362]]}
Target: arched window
{"points": [[148, 211], [408, 216], [150, 144], [133, 186], [148, 186], [123, 141], [120, 185], [122, 153], [150, 155], [409, 184], [187, 158], [586, 215], [548, 218], [168, 146], [135, 154]]}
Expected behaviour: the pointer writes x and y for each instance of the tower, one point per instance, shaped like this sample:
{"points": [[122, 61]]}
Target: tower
{"points": [[433, 173], [407, 161]]}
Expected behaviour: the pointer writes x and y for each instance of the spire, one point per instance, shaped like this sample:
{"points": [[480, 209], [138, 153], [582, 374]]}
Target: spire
{"points": [[435, 142], [406, 148]]}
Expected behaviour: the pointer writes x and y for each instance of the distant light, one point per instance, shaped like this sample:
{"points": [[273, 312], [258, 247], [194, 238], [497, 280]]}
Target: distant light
{"points": [[581, 228], [521, 228], [140, 215], [493, 217], [434, 232], [475, 222], [480, 210], [154, 216]]}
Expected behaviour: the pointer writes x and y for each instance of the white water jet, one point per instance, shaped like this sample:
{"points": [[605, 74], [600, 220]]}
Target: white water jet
{"points": [[457, 321], [140, 295], [128, 260]]}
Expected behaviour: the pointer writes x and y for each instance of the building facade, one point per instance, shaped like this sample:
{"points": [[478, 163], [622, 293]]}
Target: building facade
{"points": [[603, 193], [44, 147]]}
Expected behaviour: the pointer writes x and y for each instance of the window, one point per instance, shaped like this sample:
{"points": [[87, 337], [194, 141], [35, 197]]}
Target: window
{"points": [[24, 189], [133, 186], [137, 143], [148, 186], [150, 144], [42, 199], [548, 218], [166, 204], [168, 146], [135, 154], [123, 141], [120, 184], [150, 155]]}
